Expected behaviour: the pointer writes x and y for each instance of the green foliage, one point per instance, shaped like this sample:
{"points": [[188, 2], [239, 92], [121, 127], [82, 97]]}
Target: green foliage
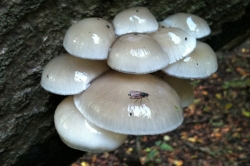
{"points": [[245, 113], [153, 152], [165, 146], [236, 83]]}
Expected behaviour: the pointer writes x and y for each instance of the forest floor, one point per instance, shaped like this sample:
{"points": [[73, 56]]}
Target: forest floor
{"points": [[215, 131]]}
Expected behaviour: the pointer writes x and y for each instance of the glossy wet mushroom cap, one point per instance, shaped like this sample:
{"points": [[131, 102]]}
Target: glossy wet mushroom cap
{"points": [[194, 25], [67, 75], [78, 133], [137, 54], [175, 42], [106, 103], [89, 38], [201, 63], [135, 20]]}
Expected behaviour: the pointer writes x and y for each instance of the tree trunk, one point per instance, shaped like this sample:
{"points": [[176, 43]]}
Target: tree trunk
{"points": [[31, 33]]}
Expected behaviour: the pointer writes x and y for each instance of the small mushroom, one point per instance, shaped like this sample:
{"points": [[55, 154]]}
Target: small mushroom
{"points": [[89, 38], [118, 102], [67, 75], [201, 63], [78, 133], [136, 19], [190, 23], [175, 42], [182, 87], [137, 54]]}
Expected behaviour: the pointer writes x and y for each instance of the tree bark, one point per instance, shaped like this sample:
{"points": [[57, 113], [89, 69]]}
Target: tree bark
{"points": [[31, 33]]}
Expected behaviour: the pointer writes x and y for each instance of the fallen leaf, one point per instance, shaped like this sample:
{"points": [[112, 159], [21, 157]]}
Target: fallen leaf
{"points": [[245, 113], [204, 92], [200, 140], [147, 150], [178, 162], [192, 139], [218, 135], [218, 95], [242, 71], [193, 157], [129, 150], [84, 163], [196, 101], [152, 154], [165, 146], [158, 143], [228, 106]]}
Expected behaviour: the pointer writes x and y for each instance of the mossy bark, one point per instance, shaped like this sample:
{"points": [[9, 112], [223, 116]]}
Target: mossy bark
{"points": [[31, 33]]}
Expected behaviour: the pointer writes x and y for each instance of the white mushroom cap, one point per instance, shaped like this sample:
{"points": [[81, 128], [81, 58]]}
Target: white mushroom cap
{"points": [[78, 133], [66, 75], [183, 88], [175, 42], [136, 19], [201, 63], [193, 24], [106, 104], [89, 38], [137, 54]]}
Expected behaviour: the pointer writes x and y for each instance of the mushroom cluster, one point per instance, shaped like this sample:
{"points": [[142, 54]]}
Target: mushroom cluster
{"points": [[120, 60]]}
